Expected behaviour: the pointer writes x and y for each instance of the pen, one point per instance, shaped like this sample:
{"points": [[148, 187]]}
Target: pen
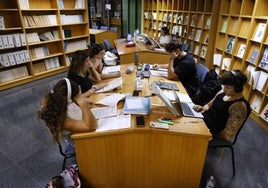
{"points": [[165, 121]]}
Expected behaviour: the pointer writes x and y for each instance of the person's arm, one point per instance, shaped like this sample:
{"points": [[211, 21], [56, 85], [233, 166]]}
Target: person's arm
{"points": [[204, 108], [171, 74], [93, 74], [238, 114], [94, 89], [157, 66], [88, 122], [110, 75]]}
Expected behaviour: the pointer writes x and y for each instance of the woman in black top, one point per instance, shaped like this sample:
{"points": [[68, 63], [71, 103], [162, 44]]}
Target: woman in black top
{"points": [[79, 72], [226, 113]]}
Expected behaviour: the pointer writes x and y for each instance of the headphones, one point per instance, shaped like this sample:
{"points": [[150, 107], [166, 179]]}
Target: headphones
{"points": [[69, 90], [238, 85]]}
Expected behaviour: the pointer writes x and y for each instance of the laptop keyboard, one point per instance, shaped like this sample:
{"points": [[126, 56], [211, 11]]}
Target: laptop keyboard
{"points": [[186, 109]]}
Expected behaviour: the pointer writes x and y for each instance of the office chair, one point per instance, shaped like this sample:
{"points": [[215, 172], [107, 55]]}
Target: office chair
{"points": [[113, 29], [64, 154], [95, 27], [103, 27], [216, 143], [185, 47], [108, 47], [202, 71]]}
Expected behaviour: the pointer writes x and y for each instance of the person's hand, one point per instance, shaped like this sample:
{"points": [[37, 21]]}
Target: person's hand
{"points": [[173, 55], [197, 108], [99, 86], [156, 66]]}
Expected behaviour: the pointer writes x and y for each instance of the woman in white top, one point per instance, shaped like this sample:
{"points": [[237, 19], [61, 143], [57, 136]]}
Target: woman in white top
{"points": [[164, 38], [66, 111]]}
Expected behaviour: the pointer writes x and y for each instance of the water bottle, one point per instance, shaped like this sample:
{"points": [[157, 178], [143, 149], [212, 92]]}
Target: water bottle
{"points": [[136, 58], [211, 182]]}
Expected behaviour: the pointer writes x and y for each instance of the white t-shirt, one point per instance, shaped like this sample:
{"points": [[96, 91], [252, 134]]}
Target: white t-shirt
{"points": [[164, 39]]}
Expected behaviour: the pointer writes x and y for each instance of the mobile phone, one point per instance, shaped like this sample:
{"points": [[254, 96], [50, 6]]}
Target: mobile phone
{"points": [[140, 121], [136, 93]]}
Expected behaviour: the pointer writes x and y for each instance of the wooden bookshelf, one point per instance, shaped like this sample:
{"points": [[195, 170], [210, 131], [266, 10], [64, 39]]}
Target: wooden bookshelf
{"points": [[246, 22], [64, 23], [190, 21]]}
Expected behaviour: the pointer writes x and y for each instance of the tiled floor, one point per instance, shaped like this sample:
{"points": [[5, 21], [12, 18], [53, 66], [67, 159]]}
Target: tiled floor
{"points": [[29, 159]]}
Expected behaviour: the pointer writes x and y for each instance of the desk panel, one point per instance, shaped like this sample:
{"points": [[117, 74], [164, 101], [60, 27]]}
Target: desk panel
{"points": [[98, 36], [144, 157], [145, 55]]}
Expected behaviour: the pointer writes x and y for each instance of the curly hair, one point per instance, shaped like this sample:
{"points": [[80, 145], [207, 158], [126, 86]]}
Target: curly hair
{"points": [[96, 49], [233, 78], [54, 108]]}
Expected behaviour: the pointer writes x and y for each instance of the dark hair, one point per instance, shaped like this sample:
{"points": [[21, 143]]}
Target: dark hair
{"points": [[166, 30], [78, 61], [234, 78], [173, 46], [96, 49], [54, 107]]}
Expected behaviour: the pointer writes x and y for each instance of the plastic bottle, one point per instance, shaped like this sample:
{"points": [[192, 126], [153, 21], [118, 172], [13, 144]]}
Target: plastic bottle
{"points": [[211, 182]]}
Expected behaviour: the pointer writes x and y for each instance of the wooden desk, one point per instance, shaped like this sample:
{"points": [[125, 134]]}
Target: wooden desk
{"points": [[145, 55], [143, 157], [98, 36]]}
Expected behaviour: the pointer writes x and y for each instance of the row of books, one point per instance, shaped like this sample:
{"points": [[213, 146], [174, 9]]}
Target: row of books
{"points": [[13, 74], [256, 78], [256, 105], [39, 52], [40, 20], [49, 35], [14, 58], [72, 46], [71, 19], [12, 40], [52, 63], [24, 4], [2, 23]]}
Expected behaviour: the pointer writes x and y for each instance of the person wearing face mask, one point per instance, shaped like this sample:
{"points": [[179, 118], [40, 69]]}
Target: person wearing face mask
{"points": [[181, 67]]}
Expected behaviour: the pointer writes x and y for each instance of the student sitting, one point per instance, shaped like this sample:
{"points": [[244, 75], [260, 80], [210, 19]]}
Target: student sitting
{"points": [[164, 37], [226, 113], [66, 111]]}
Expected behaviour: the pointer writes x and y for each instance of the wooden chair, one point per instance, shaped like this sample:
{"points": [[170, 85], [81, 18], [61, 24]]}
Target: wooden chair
{"points": [[216, 143]]}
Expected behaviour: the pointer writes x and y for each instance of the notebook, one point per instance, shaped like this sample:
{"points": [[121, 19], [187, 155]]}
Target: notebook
{"points": [[186, 105], [167, 85], [169, 103]]}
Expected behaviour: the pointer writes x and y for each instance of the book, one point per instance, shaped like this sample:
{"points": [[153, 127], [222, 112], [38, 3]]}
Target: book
{"points": [[203, 51], [224, 26], [113, 84], [197, 35], [253, 56], [2, 23], [206, 38], [208, 23], [226, 64], [255, 103], [250, 69], [193, 20], [259, 33], [230, 45], [258, 80], [137, 105], [217, 59], [264, 113], [241, 51], [264, 60]]}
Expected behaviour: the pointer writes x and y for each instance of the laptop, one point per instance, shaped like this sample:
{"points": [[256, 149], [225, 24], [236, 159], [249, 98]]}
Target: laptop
{"points": [[186, 105], [155, 43], [169, 103]]}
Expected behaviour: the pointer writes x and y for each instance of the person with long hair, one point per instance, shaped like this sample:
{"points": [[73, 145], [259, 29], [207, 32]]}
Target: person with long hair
{"points": [[82, 75], [164, 37], [96, 54], [66, 111]]}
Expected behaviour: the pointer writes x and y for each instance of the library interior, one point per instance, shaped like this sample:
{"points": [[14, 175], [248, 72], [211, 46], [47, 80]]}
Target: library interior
{"points": [[143, 138]]}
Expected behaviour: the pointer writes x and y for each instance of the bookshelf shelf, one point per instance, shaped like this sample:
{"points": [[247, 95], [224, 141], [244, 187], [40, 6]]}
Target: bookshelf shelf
{"points": [[40, 24], [246, 21]]}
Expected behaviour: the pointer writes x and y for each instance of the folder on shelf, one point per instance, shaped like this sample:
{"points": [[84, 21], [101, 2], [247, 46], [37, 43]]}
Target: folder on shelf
{"points": [[10, 41], [17, 41], [5, 41], [23, 39], [4, 60], [17, 57], [11, 58], [2, 23]]}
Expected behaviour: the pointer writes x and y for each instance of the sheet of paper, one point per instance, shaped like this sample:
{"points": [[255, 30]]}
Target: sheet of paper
{"points": [[134, 103], [159, 73], [103, 112], [112, 99], [111, 69], [115, 83], [113, 123]]}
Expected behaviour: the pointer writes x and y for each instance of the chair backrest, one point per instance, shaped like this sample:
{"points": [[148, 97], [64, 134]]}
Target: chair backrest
{"points": [[95, 27], [249, 109], [113, 29], [202, 71], [103, 27], [185, 47], [107, 44]]}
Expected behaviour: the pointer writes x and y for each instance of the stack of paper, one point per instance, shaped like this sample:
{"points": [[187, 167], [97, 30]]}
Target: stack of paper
{"points": [[137, 105]]}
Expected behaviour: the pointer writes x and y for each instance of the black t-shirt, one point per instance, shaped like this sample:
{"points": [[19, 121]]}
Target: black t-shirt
{"points": [[84, 82], [185, 69]]}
